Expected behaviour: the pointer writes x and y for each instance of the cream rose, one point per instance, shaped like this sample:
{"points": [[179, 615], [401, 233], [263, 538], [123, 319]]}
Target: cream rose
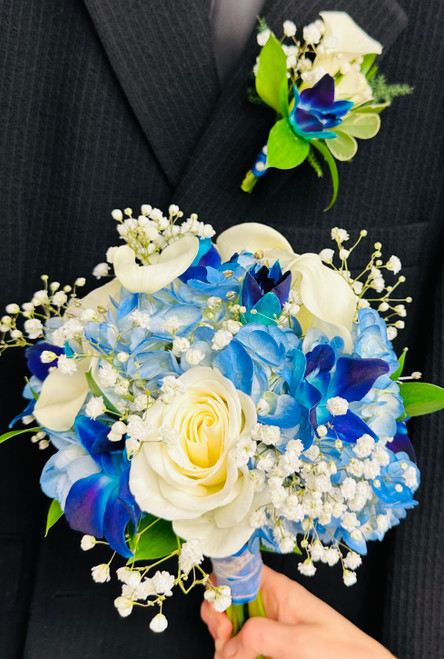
{"points": [[187, 473], [327, 300]]}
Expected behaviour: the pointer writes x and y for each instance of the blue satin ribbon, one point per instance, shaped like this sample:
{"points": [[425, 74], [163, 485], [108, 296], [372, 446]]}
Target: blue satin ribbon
{"points": [[242, 573]]}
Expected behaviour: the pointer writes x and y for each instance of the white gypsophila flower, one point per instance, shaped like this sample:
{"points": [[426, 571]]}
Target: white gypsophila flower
{"points": [[40, 297], [194, 356], [269, 435], [289, 28], [307, 568], [140, 402], [241, 453], [141, 318], [337, 406], [221, 339], [117, 430], [326, 255], [220, 597], [312, 453], [340, 235], [392, 333], [138, 428], [349, 578], [258, 518], [66, 365], [33, 328], [312, 76], [47, 356], [331, 556], [95, 407], [262, 407], [348, 488], [180, 345], [411, 478], [190, 555], [132, 447], [124, 606], [364, 446], [123, 573], [163, 582], [357, 287], [311, 34], [232, 326], [352, 560], [171, 386], [317, 551], [87, 542], [12, 308], [100, 573], [350, 521], [100, 270], [344, 254], [287, 544], [159, 623], [59, 299], [171, 324], [394, 264], [372, 469], [117, 214], [110, 254], [107, 375], [88, 314], [263, 37], [258, 479]]}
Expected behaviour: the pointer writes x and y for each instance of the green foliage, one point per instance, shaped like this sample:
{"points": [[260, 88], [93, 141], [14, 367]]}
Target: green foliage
{"points": [[397, 374], [343, 146], [325, 153], [14, 433], [271, 78], [154, 538], [55, 512], [384, 92], [421, 398], [314, 162], [285, 149]]}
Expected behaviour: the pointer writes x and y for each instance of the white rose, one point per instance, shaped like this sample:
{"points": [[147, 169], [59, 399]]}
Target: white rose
{"points": [[166, 266], [192, 479], [327, 301], [349, 40], [354, 87]]}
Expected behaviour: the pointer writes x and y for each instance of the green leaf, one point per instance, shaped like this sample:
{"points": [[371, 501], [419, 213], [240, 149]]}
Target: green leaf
{"points": [[157, 539], [325, 153], [271, 78], [367, 63], [14, 433], [285, 150], [343, 147], [421, 398], [397, 374], [55, 512], [96, 391], [374, 108], [363, 126]]}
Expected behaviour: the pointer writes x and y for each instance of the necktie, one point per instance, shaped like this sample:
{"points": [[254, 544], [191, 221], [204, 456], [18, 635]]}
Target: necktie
{"points": [[233, 22]]}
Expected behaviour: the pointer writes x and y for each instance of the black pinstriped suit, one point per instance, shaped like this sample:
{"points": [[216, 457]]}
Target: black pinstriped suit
{"points": [[110, 103]]}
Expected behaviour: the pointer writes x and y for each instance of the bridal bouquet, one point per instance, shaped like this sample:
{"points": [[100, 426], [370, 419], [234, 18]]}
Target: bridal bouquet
{"points": [[325, 90], [216, 399]]}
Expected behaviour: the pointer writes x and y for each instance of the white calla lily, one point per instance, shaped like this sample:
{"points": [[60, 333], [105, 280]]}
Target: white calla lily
{"points": [[350, 40], [250, 237], [170, 264], [99, 297], [61, 397]]}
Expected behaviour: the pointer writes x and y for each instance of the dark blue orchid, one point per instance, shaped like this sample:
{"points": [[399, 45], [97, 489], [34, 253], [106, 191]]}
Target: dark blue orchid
{"points": [[347, 378], [33, 358], [316, 110], [264, 292], [101, 504]]}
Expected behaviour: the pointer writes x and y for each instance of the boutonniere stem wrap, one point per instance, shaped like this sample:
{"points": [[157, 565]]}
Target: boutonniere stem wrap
{"points": [[325, 91]]}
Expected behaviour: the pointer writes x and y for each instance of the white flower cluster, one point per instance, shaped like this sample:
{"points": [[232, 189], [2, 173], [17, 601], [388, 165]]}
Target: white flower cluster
{"points": [[151, 232], [371, 279]]}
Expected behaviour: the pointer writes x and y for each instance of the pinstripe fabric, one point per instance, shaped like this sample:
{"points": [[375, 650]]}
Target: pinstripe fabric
{"points": [[106, 103]]}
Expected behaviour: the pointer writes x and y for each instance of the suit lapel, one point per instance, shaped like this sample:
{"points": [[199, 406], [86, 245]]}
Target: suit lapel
{"points": [[161, 52]]}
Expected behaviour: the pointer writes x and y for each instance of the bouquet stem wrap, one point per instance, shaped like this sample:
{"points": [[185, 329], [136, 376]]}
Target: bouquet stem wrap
{"points": [[242, 573]]}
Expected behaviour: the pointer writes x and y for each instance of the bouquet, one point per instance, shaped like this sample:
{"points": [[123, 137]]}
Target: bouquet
{"points": [[325, 90], [216, 399]]}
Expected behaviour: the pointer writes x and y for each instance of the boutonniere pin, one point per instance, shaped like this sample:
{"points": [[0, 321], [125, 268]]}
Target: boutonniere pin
{"points": [[326, 92]]}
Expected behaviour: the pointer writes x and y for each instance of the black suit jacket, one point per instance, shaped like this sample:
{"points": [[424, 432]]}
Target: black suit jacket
{"points": [[110, 103]]}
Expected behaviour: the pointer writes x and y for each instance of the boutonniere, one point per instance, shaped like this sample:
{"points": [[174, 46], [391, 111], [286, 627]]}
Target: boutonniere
{"points": [[326, 92]]}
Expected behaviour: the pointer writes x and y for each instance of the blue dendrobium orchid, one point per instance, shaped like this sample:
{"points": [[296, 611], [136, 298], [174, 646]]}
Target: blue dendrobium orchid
{"points": [[101, 504], [347, 378], [264, 292], [316, 110]]}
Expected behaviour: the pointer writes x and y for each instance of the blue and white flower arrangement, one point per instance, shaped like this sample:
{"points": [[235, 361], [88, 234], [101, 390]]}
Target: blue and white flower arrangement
{"points": [[325, 91], [216, 399]]}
